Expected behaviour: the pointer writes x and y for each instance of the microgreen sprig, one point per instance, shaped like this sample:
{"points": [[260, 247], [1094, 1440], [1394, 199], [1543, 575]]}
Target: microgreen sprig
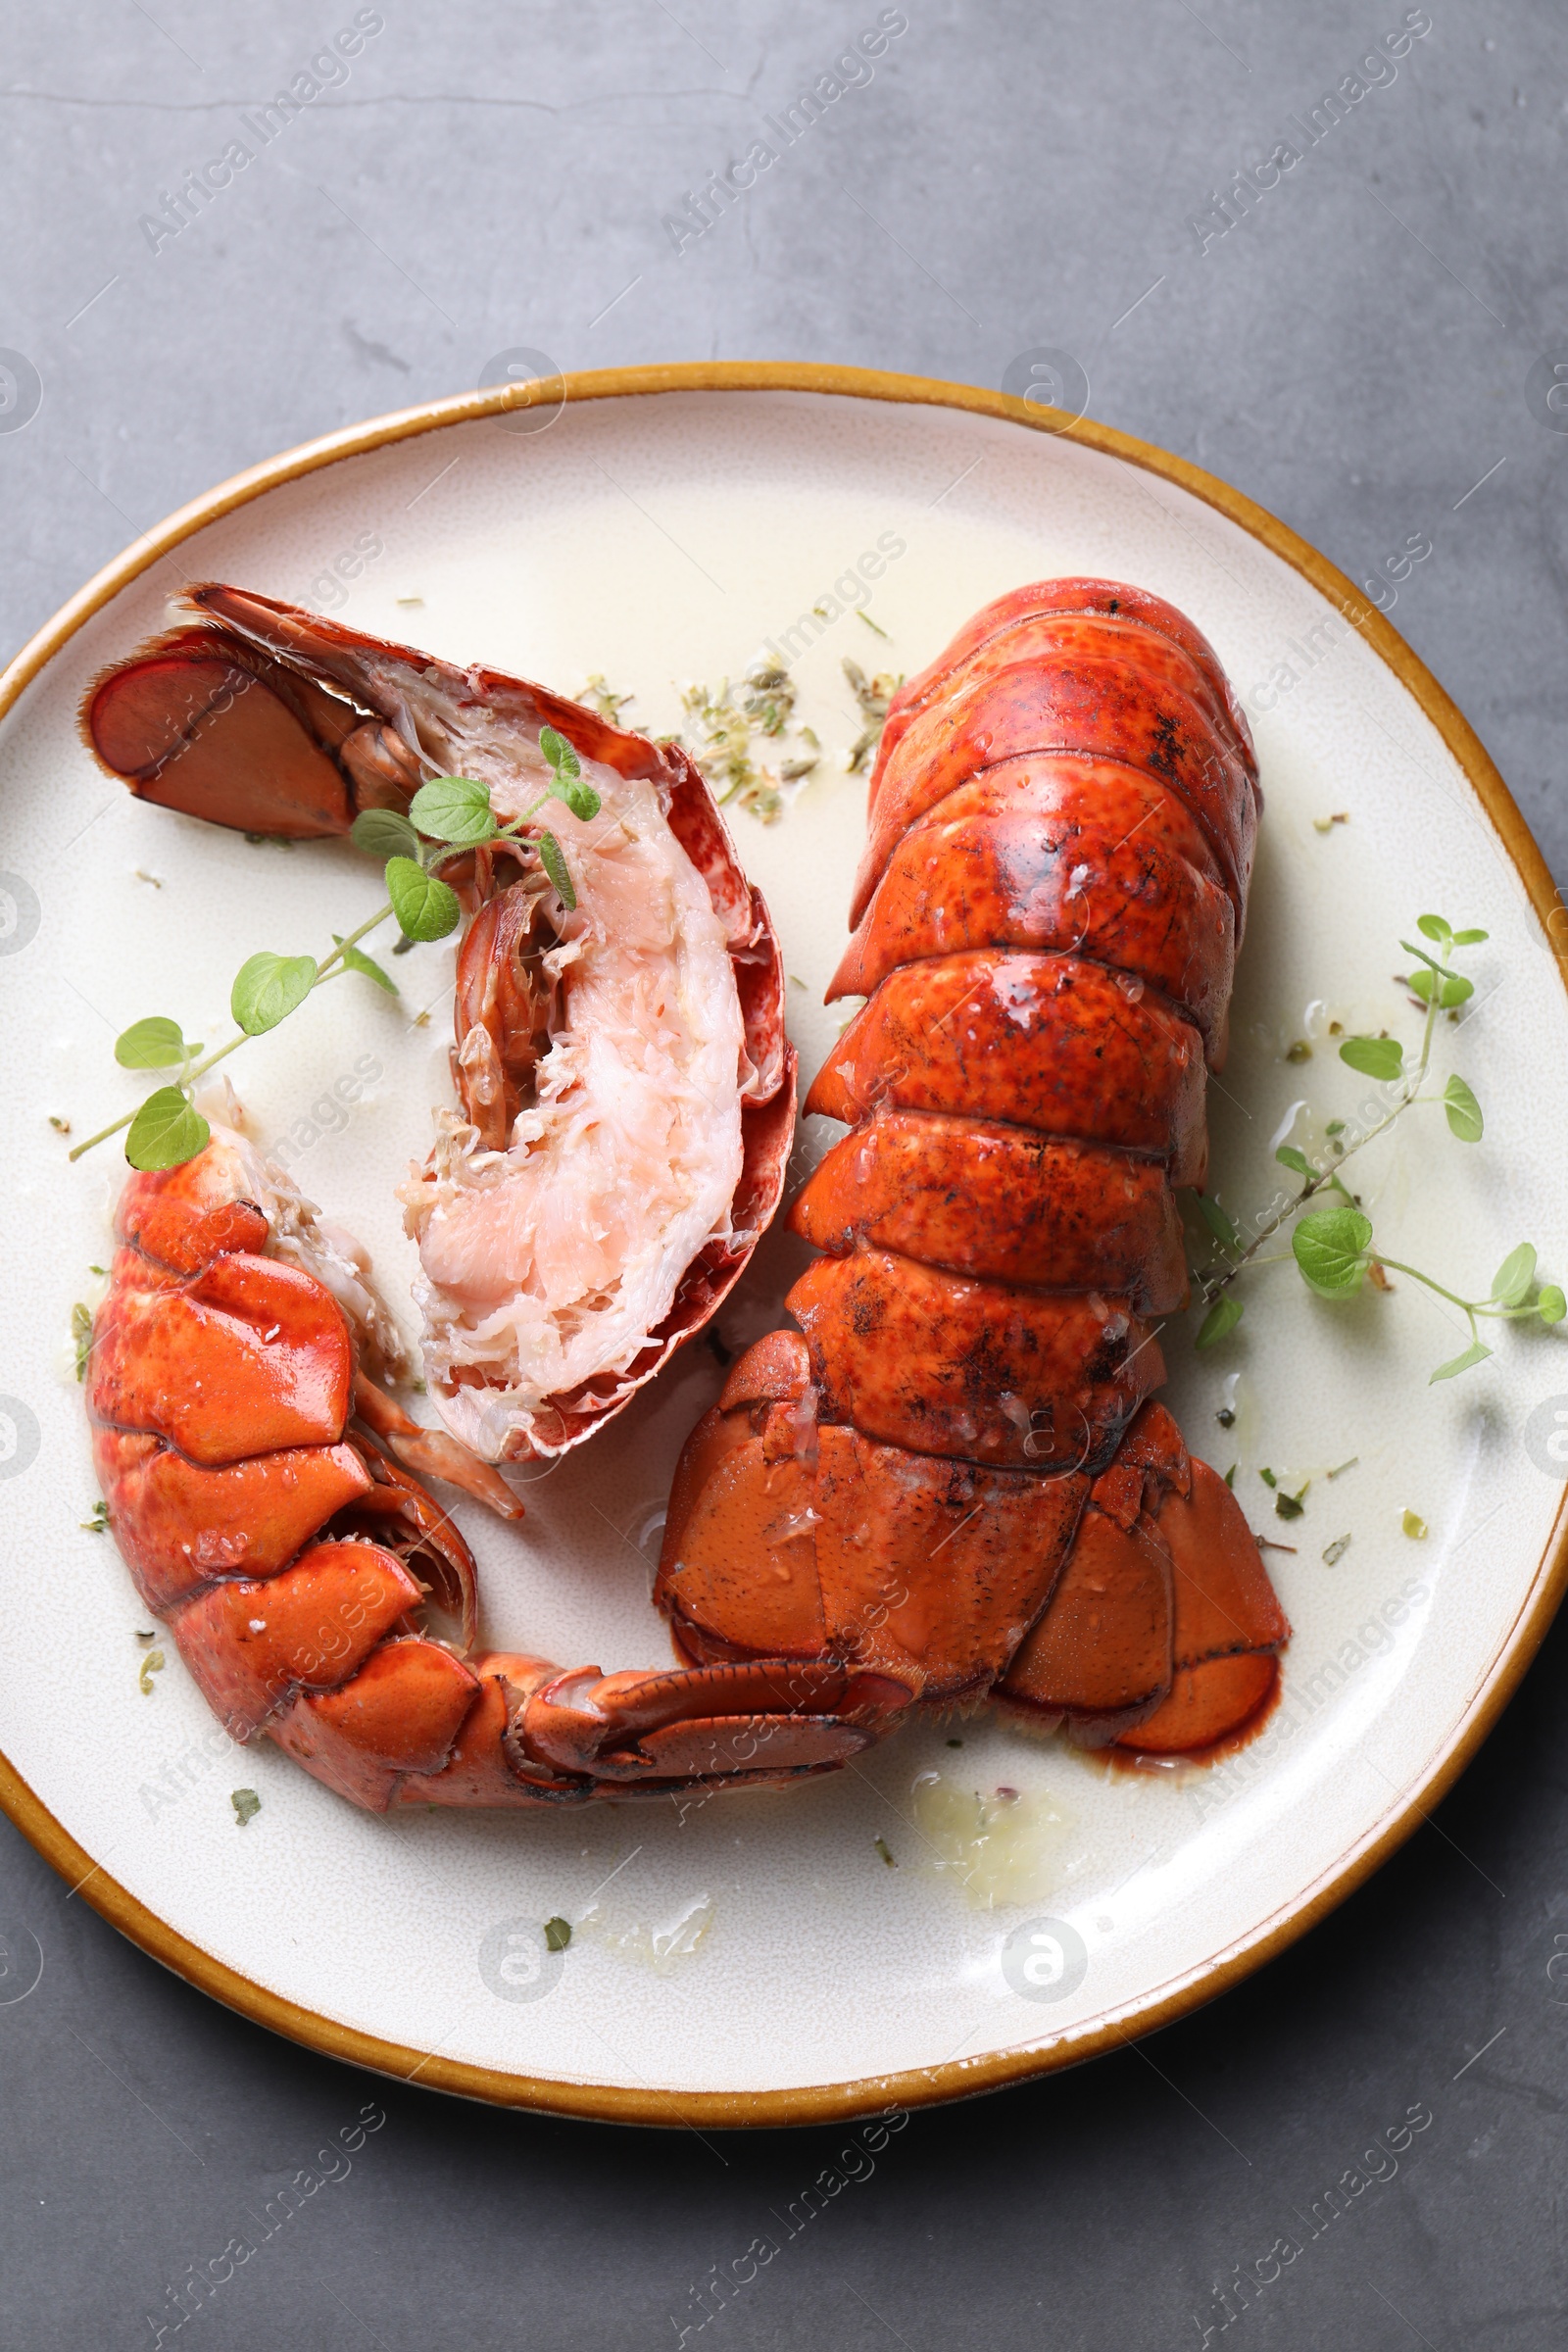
{"points": [[1333, 1247], [455, 811], [446, 815]]}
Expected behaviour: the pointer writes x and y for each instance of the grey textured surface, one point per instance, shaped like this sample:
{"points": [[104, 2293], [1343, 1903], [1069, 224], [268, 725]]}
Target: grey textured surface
{"points": [[1355, 355]]}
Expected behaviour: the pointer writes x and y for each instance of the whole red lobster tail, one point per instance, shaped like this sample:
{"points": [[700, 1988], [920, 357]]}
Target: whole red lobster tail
{"points": [[274, 720], [252, 1476], [954, 1477]]}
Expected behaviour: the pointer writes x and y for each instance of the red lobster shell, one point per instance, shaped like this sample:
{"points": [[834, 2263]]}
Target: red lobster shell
{"points": [[955, 1476], [256, 1487]]}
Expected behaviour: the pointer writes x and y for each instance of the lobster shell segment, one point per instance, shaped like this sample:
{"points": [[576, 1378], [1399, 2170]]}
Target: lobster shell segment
{"points": [[171, 722], [179, 1524], [1096, 708], [984, 1371], [819, 1543], [246, 1356], [1001, 1203], [998, 624], [1078, 666], [1163, 1634], [1082, 856], [1052, 1043]]}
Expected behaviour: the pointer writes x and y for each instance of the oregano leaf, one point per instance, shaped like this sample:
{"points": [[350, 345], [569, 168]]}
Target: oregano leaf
{"points": [[455, 810], [559, 754], [1375, 1057], [1219, 1224], [384, 833], [354, 959], [1221, 1319], [1551, 1305], [1433, 926], [166, 1132], [267, 988], [1515, 1276], [1449, 987], [1289, 1158], [1463, 1111], [555, 865], [150, 1045], [1470, 939], [580, 798], [1329, 1246], [425, 907], [1473, 1354]]}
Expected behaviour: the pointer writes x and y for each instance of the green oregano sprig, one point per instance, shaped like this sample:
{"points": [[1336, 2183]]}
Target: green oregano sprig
{"points": [[449, 815], [1333, 1247]]}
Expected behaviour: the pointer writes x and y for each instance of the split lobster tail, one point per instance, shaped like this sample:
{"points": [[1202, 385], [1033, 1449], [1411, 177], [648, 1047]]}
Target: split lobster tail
{"points": [[251, 1470], [956, 1475], [657, 981]]}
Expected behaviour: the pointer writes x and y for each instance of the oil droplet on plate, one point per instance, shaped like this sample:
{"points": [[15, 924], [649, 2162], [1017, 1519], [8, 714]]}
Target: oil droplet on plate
{"points": [[660, 1944], [1004, 1849]]}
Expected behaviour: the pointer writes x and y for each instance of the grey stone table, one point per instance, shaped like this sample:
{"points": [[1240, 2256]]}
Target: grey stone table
{"points": [[1353, 338]]}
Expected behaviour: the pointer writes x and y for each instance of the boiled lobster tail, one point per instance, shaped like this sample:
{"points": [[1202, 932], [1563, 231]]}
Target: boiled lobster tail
{"points": [[259, 1485], [955, 1473]]}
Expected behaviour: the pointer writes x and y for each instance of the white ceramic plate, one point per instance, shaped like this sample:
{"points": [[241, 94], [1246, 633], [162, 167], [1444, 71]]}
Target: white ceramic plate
{"points": [[755, 1959]]}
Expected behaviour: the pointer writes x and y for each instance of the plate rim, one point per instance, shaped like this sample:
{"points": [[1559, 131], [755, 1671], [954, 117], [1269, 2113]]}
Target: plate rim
{"points": [[828, 2102]]}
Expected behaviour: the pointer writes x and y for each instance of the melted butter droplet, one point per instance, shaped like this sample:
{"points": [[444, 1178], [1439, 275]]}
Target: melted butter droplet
{"points": [[1005, 1848]]}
